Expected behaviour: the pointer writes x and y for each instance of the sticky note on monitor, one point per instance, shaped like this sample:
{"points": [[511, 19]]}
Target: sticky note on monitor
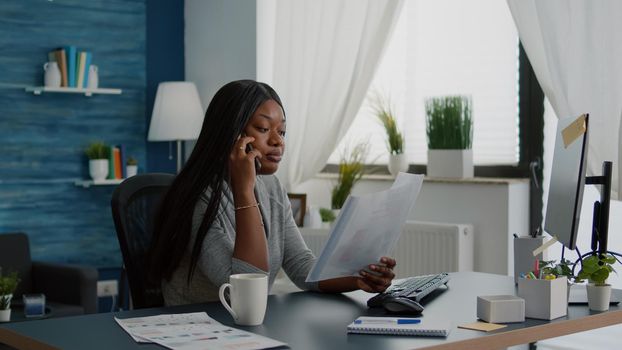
{"points": [[574, 130]]}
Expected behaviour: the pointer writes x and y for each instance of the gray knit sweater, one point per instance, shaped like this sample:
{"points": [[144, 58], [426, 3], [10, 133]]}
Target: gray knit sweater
{"points": [[286, 248]]}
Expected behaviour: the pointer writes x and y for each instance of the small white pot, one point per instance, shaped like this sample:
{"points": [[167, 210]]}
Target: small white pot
{"points": [[98, 169], [451, 163], [5, 315], [397, 163], [131, 170], [598, 297]]}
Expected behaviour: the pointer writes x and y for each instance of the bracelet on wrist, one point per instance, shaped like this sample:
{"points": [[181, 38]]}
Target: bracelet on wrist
{"points": [[247, 206]]}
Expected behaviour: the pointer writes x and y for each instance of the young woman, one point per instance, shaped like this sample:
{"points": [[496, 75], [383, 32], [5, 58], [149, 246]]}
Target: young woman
{"points": [[219, 218]]}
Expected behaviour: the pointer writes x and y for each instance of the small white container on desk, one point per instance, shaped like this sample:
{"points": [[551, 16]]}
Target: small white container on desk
{"points": [[544, 299]]}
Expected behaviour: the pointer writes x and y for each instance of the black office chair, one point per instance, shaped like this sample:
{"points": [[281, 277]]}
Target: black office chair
{"points": [[134, 205], [69, 289]]}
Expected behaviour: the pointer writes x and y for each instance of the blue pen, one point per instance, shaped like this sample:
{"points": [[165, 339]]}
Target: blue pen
{"points": [[389, 321]]}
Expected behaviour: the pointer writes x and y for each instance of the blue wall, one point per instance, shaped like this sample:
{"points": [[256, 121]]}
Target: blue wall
{"points": [[42, 138]]}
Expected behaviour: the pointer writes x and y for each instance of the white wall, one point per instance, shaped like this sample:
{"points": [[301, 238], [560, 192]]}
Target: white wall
{"points": [[220, 43]]}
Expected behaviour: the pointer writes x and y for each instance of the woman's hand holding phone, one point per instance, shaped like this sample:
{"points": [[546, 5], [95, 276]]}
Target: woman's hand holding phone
{"points": [[243, 162]]}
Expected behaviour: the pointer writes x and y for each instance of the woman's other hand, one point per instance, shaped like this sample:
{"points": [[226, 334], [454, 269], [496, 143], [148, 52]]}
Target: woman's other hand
{"points": [[380, 278]]}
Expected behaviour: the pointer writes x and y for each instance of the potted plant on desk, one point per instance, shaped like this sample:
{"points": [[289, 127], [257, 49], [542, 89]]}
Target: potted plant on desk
{"points": [[595, 268], [8, 284]]}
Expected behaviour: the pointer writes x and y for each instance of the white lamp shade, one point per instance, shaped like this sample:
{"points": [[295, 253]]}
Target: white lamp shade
{"points": [[177, 112]]}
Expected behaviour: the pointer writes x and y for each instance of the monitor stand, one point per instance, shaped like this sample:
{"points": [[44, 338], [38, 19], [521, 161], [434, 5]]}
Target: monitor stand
{"points": [[600, 223]]}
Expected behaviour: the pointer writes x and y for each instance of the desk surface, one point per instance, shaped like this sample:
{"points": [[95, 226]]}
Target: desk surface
{"points": [[318, 321]]}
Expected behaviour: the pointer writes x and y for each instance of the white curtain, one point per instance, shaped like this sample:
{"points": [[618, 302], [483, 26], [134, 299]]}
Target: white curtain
{"points": [[320, 56], [575, 48]]}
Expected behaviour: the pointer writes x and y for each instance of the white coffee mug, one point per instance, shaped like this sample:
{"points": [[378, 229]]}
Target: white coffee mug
{"points": [[248, 295]]}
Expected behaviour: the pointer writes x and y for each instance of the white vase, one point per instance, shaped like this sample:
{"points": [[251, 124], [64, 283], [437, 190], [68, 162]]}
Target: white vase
{"points": [[51, 77], [5, 315], [93, 78], [450, 163], [397, 163], [131, 170], [98, 169], [598, 297]]}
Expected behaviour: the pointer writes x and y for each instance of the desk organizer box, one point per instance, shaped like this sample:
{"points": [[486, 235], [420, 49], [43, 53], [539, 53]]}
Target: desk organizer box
{"points": [[544, 299], [501, 308]]}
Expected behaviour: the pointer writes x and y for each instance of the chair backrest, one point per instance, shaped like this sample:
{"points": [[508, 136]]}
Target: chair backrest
{"points": [[15, 257], [135, 203]]}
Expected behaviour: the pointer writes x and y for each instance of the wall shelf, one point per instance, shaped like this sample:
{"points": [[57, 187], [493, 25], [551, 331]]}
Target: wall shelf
{"points": [[89, 183], [38, 90]]}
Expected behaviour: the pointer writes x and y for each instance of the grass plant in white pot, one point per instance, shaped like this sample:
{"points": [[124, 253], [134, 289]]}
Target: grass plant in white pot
{"points": [[8, 284], [131, 167], [395, 139], [98, 154], [449, 129]]}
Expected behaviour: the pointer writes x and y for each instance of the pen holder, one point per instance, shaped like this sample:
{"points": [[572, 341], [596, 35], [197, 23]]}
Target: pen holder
{"points": [[544, 299], [523, 254]]}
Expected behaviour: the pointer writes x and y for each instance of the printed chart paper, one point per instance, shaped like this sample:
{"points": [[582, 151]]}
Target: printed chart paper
{"points": [[193, 331], [367, 228]]}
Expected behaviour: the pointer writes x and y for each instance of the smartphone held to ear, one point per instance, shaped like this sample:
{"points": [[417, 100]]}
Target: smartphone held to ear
{"points": [[249, 148]]}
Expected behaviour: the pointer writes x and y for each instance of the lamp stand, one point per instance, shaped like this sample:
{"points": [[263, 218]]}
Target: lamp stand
{"points": [[178, 156]]}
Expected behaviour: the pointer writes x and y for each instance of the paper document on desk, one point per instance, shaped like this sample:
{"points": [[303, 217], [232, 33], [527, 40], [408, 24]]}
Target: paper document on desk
{"points": [[367, 228], [192, 331]]}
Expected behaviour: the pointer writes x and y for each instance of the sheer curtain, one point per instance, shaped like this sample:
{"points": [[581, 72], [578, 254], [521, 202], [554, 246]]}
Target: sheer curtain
{"points": [[575, 48], [320, 56]]}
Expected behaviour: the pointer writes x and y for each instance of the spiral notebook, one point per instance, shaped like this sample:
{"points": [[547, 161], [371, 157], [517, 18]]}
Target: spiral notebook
{"points": [[400, 326]]}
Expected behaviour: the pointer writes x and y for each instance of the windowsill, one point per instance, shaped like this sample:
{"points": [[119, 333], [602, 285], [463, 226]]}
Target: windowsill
{"points": [[472, 180]]}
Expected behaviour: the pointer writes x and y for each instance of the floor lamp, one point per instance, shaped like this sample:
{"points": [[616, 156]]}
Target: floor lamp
{"points": [[177, 114]]}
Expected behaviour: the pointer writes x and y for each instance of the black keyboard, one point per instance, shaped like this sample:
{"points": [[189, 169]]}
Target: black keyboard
{"points": [[415, 288]]}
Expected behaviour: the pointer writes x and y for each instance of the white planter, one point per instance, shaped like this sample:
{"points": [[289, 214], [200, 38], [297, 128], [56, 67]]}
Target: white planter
{"points": [[98, 169], [5, 315], [598, 297], [451, 163], [131, 170], [397, 163]]}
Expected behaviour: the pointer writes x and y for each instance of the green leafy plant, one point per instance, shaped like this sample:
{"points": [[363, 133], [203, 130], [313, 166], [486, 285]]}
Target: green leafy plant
{"points": [[131, 161], [97, 150], [8, 284], [351, 169], [563, 268], [327, 215], [382, 110], [596, 268], [448, 122]]}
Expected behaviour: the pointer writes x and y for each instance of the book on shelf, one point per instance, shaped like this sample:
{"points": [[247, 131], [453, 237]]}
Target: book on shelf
{"points": [[70, 52], [400, 326], [87, 64], [117, 163], [111, 164], [123, 161], [81, 60]]}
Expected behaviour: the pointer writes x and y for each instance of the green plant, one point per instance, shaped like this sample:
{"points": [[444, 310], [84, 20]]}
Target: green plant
{"points": [[448, 122], [596, 268], [131, 161], [97, 150], [351, 168], [327, 215], [8, 284], [382, 109], [563, 268]]}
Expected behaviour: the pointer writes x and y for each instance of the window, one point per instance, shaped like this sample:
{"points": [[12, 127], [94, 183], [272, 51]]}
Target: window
{"points": [[443, 47]]}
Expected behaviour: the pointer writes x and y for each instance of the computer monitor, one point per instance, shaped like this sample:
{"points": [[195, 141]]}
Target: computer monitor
{"points": [[567, 181], [566, 187]]}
